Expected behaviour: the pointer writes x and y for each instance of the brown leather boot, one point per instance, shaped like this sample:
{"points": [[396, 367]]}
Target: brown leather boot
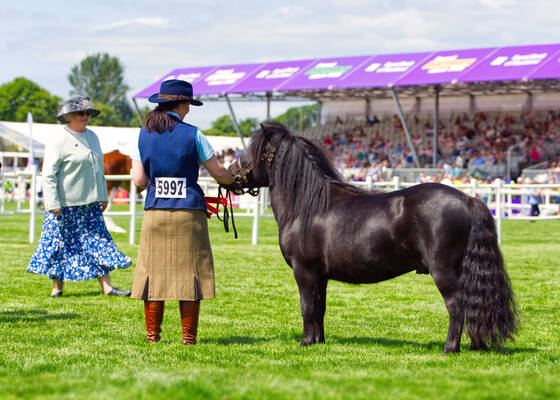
{"points": [[189, 320], [153, 311]]}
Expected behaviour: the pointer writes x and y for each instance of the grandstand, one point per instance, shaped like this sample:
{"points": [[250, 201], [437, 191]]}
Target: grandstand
{"points": [[490, 144]]}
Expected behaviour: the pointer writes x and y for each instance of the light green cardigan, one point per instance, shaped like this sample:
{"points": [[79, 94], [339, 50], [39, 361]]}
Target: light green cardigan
{"points": [[73, 170]]}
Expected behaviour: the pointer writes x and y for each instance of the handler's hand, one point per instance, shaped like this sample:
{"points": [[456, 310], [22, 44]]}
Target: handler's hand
{"points": [[103, 205], [56, 212]]}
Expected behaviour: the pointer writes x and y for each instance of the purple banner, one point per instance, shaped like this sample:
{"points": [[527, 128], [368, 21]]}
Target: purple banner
{"points": [[324, 73], [192, 75], [475, 65], [444, 67], [511, 63], [381, 70], [549, 70], [270, 76], [219, 80]]}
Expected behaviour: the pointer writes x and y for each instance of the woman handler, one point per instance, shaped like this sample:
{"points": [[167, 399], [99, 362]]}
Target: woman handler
{"points": [[174, 258]]}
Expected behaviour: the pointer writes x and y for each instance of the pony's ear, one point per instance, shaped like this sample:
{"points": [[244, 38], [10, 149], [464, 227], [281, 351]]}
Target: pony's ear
{"points": [[265, 127]]}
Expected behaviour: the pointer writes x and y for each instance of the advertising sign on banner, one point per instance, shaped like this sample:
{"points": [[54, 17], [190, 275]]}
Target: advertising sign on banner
{"points": [[549, 69], [511, 63], [444, 67], [223, 78], [192, 75], [381, 70], [270, 76], [324, 73]]}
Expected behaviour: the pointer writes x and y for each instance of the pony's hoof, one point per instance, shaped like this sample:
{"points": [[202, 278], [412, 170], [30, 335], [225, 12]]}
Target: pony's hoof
{"points": [[306, 342], [447, 351]]}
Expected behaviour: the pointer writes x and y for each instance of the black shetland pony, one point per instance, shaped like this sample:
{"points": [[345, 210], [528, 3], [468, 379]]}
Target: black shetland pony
{"points": [[329, 229]]}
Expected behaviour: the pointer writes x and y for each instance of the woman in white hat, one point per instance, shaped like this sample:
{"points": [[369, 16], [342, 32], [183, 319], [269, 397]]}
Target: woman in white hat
{"points": [[75, 244]]}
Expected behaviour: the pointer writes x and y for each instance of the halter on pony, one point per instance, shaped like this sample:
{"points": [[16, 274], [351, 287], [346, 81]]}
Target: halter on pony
{"points": [[241, 176]]}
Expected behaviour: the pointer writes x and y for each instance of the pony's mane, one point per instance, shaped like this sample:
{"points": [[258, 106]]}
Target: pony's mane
{"points": [[301, 171]]}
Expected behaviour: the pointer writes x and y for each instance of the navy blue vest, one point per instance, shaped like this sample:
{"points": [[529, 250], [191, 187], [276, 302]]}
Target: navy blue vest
{"points": [[172, 154]]}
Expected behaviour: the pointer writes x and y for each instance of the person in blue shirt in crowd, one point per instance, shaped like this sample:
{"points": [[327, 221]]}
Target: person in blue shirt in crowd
{"points": [[175, 258], [534, 201]]}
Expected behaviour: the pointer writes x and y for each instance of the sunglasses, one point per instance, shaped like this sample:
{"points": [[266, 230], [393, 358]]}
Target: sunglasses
{"points": [[81, 113]]}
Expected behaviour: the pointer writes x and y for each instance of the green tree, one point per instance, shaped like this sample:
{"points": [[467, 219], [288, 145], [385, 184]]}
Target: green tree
{"points": [[135, 120], [248, 126], [306, 116], [101, 78], [22, 95], [107, 117], [223, 126]]}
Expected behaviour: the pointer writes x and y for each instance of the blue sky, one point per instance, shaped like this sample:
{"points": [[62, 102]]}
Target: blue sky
{"points": [[42, 40]]}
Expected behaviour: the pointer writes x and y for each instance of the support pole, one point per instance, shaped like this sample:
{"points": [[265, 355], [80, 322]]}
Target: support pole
{"points": [[436, 128], [403, 122], [268, 97], [472, 103], [139, 113], [235, 123]]}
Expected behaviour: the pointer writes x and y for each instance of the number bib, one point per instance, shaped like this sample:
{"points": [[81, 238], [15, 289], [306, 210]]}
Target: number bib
{"points": [[171, 188]]}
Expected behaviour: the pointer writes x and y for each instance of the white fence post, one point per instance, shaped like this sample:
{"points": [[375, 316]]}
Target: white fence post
{"points": [[32, 203], [255, 231], [498, 183], [369, 182], [132, 209], [473, 187], [396, 182]]}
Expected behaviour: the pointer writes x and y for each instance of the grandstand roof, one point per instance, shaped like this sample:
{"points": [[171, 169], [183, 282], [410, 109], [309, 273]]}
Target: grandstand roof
{"points": [[500, 70]]}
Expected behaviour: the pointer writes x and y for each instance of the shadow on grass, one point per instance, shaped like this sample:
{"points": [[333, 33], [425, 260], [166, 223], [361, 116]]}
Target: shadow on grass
{"points": [[226, 341], [33, 316], [465, 347], [384, 342], [87, 294]]}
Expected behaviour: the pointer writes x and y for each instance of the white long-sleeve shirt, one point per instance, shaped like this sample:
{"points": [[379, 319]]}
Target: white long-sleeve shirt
{"points": [[73, 170]]}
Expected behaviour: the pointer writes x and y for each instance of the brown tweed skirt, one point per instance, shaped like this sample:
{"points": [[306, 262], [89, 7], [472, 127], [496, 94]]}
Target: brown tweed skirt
{"points": [[175, 258]]}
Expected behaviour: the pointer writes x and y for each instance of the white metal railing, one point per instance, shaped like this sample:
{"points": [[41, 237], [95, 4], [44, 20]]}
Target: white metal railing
{"points": [[24, 190], [507, 201]]}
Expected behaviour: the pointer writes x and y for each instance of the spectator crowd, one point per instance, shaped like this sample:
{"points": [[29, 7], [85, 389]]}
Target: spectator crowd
{"points": [[477, 145]]}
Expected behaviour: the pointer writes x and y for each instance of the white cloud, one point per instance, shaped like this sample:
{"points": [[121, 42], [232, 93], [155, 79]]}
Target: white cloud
{"points": [[496, 4], [156, 21]]}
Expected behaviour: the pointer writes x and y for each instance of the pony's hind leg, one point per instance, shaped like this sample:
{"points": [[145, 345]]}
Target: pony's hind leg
{"points": [[447, 283], [312, 294]]}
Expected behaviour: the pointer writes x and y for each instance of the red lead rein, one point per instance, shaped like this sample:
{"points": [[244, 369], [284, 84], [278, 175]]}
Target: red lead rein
{"points": [[223, 200], [215, 200]]}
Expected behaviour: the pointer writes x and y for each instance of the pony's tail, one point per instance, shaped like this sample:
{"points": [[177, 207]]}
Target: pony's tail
{"points": [[486, 295]]}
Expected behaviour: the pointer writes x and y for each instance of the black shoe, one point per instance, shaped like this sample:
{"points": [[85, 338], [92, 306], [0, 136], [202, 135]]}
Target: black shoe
{"points": [[57, 294], [117, 292]]}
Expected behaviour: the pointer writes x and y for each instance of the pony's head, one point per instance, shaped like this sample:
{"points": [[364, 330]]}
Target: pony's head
{"points": [[252, 169]]}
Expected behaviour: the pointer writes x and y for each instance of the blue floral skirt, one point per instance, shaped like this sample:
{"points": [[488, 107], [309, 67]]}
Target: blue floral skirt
{"points": [[76, 246]]}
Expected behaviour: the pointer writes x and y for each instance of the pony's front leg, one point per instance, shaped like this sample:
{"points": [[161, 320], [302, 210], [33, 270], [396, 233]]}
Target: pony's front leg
{"points": [[312, 295]]}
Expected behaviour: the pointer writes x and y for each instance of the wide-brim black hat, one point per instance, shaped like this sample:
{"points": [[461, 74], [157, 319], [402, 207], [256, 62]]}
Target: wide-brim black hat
{"points": [[174, 90]]}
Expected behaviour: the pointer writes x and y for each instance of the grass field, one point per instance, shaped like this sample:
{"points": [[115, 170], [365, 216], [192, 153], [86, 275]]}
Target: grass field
{"points": [[384, 341]]}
